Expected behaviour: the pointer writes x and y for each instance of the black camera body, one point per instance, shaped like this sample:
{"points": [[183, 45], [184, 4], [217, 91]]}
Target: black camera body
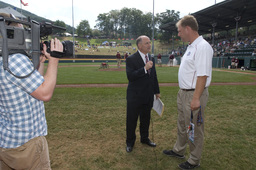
{"points": [[67, 49], [45, 30], [27, 40]]}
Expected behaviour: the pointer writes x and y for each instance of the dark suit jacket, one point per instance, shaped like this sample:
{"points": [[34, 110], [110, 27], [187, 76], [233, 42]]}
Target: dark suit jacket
{"points": [[142, 86]]}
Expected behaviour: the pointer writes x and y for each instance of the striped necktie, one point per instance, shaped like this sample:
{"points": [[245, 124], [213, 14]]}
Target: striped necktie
{"points": [[146, 58], [146, 62]]}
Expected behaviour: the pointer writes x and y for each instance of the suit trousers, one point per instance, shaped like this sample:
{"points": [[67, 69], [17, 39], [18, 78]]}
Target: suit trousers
{"points": [[184, 99], [134, 111]]}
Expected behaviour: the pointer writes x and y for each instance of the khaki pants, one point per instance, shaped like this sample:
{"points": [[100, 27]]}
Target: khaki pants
{"points": [[33, 155], [184, 99]]}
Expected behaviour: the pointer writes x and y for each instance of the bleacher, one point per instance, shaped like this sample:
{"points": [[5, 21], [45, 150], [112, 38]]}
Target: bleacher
{"points": [[243, 52]]}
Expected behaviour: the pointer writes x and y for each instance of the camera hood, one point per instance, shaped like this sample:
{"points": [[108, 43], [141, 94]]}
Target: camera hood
{"points": [[13, 39]]}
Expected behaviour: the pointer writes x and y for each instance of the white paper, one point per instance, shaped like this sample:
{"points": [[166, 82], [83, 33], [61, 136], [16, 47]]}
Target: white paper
{"points": [[158, 106]]}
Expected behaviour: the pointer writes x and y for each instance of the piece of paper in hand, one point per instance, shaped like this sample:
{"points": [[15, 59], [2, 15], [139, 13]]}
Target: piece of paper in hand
{"points": [[158, 106]]}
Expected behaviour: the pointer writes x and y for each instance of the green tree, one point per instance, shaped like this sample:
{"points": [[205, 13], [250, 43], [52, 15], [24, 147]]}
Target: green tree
{"points": [[163, 18], [135, 22], [104, 24], [131, 22], [114, 22], [96, 33], [59, 24], [123, 22], [146, 25], [70, 29], [83, 28]]}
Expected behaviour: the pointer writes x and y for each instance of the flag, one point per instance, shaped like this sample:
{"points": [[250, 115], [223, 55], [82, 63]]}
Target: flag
{"points": [[25, 4]]}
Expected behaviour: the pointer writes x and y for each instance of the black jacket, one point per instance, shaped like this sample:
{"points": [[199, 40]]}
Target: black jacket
{"points": [[142, 86]]}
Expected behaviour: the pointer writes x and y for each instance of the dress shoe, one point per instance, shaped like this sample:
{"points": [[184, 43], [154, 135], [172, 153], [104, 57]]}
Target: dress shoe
{"points": [[128, 148], [149, 143], [187, 165], [171, 153]]}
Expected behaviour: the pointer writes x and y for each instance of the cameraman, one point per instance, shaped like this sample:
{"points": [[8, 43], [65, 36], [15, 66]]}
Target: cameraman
{"points": [[23, 124]]}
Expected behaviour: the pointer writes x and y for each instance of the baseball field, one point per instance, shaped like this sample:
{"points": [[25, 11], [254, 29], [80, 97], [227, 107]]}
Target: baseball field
{"points": [[87, 119]]}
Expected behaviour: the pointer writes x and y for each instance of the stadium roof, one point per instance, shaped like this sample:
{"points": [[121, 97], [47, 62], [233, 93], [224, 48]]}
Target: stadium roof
{"points": [[10, 10], [223, 15]]}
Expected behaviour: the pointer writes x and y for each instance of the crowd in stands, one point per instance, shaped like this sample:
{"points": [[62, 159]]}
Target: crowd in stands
{"points": [[228, 47], [245, 45]]}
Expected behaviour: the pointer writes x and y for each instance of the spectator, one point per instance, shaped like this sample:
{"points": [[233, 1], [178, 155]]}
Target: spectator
{"points": [[125, 55], [254, 52], [233, 62], [159, 60], [236, 62], [118, 58], [170, 62]]}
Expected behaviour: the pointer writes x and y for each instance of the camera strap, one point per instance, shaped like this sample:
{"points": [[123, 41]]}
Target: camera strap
{"points": [[199, 120], [5, 53], [56, 54], [17, 51]]}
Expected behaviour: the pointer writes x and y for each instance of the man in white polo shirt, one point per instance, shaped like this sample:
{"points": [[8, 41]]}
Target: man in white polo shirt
{"points": [[195, 74]]}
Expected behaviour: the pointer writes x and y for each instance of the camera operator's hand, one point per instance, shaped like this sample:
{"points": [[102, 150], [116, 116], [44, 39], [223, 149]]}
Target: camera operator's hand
{"points": [[42, 58], [45, 91], [56, 45], [41, 64]]}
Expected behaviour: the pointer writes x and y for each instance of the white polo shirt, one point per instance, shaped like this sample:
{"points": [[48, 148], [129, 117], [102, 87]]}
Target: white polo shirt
{"points": [[197, 61]]}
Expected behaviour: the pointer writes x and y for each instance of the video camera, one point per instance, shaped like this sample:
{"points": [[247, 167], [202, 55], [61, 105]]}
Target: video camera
{"points": [[27, 41], [45, 30]]}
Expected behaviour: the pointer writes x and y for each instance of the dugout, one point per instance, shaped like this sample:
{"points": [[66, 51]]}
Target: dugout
{"points": [[225, 62], [253, 64], [222, 62]]}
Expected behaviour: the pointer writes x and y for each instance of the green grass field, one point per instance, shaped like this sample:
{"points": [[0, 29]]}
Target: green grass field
{"points": [[163, 48], [86, 126], [84, 75]]}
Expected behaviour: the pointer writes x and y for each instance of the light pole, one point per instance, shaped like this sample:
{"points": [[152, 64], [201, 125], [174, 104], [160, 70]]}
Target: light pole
{"points": [[214, 24], [73, 30], [153, 28], [237, 20]]}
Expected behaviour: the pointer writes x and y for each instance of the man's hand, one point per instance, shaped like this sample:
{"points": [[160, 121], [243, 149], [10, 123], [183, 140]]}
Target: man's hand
{"points": [[149, 65], [42, 58], [157, 96], [200, 86], [195, 104], [56, 45]]}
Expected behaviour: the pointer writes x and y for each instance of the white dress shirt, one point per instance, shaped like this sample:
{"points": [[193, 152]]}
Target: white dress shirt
{"points": [[143, 56]]}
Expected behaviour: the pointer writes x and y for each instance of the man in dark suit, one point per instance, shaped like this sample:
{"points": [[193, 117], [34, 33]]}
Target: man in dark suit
{"points": [[143, 85]]}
